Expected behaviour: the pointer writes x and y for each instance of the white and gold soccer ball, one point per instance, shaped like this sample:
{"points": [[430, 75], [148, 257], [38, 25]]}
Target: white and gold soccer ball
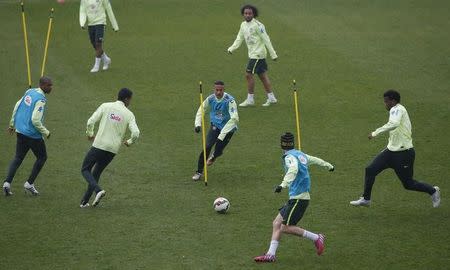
{"points": [[221, 205]]}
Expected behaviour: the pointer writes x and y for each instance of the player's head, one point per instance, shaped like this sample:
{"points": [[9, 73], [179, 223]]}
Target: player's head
{"points": [[391, 98], [125, 96], [249, 12], [45, 83], [219, 87], [287, 141]]}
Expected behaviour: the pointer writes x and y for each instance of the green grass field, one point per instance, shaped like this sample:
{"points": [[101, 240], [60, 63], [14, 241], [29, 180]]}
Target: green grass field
{"points": [[343, 54]]}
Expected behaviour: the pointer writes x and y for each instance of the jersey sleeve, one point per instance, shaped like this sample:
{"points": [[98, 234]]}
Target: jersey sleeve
{"points": [[292, 169], [238, 41], [112, 18], [395, 115], [95, 117], [132, 126], [312, 160], [83, 15], [36, 118], [232, 123], [266, 40], [198, 116]]}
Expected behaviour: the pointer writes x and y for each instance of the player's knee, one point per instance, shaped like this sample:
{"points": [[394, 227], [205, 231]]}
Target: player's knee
{"points": [[370, 170], [277, 223], [408, 184], [248, 76]]}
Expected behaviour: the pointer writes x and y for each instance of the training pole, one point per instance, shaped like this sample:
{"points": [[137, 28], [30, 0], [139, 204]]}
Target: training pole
{"points": [[46, 41], [205, 167], [25, 39], [297, 115]]}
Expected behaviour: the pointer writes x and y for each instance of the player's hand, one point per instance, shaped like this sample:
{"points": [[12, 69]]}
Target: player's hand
{"points": [[126, 144], [83, 28], [275, 59], [91, 138], [331, 169], [370, 136], [229, 52], [197, 129], [278, 189], [116, 30], [48, 135], [11, 130]]}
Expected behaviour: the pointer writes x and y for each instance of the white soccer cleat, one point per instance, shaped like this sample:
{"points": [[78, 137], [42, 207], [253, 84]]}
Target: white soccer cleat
{"points": [[7, 189], [30, 188], [436, 197], [106, 63], [269, 102], [95, 69], [84, 205], [197, 176], [98, 197], [361, 202], [247, 103]]}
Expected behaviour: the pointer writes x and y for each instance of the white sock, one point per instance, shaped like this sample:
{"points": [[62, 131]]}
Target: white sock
{"points": [[251, 97], [310, 235], [271, 96], [97, 61], [273, 247]]}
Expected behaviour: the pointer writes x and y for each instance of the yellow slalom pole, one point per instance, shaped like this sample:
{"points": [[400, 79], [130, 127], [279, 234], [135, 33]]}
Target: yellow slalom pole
{"points": [[25, 38], [47, 40], [205, 167], [297, 114]]}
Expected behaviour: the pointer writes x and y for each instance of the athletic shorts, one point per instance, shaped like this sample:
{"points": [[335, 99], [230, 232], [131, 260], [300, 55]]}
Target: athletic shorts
{"points": [[96, 33], [257, 66], [293, 211]]}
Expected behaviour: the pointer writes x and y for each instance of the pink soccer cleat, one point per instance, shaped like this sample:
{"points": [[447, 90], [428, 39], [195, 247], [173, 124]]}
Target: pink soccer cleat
{"points": [[265, 258], [320, 244]]}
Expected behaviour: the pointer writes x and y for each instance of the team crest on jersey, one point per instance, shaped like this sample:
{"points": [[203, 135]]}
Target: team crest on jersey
{"points": [[28, 100], [115, 117], [302, 160]]}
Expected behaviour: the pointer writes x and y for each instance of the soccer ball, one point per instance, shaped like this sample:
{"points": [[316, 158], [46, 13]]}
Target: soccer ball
{"points": [[221, 205]]}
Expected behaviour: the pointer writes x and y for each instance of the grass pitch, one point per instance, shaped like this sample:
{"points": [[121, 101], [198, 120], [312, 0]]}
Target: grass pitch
{"points": [[343, 54]]}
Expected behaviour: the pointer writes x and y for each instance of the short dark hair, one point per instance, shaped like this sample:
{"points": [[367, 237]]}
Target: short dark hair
{"points": [[253, 8], [218, 82], [45, 80], [287, 141], [392, 94], [124, 93]]}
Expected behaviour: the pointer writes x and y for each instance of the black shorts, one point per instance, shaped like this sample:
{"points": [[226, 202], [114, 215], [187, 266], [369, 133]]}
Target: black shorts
{"points": [[257, 66], [293, 211], [96, 33]]}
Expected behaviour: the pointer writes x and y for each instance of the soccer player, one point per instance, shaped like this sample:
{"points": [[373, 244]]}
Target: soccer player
{"points": [[93, 11], [298, 181], [27, 122], [224, 119], [256, 38], [399, 154], [114, 119]]}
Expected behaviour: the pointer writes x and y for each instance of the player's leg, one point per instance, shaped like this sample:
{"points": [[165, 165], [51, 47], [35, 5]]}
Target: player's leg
{"points": [[294, 212], [211, 139], [100, 40], [86, 168], [96, 37], [378, 164], [40, 152], [261, 70], [249, 76], [22, 148], [103, 159], [269, 256], [220, 146], [403, 163]]}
